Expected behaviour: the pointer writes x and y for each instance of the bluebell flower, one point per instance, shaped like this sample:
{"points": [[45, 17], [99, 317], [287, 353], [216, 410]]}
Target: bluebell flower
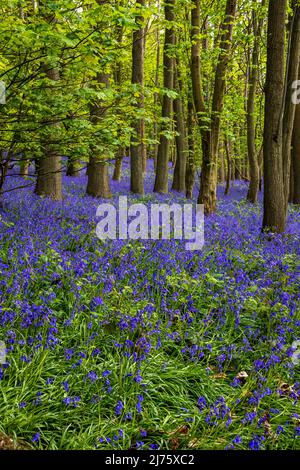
{"points": [[119, 408], [36, 437]]}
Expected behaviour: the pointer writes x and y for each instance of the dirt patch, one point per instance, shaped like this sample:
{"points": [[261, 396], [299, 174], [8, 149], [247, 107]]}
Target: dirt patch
{"points": [[7, 443]]}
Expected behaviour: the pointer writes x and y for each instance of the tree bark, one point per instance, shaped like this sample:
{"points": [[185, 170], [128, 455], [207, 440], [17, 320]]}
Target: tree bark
{"points": [[196, 75], [118, 81], [209, 180], [98, 177], [163, 154], [210, 136], [24, 167], [227, 144], [221, 168], [156, 83], [289, 107], [49, 169], [137, 148], [118, 164], [181, 143], [190, 163], [253, 79], [274, 197], [295, 173], [73, 167]]}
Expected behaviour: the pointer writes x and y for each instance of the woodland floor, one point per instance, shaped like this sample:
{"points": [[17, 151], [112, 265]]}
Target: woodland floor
{"points": [[140, 344]]}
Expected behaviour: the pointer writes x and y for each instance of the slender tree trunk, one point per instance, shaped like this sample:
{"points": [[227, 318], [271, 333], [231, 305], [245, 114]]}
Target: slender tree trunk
{"points": [[144, 148], [274, 197], [196, 75], [137, 143], [236, 166], [163, 155], [24, 168], [73, 167], [295, 173], [221, 170], [229, 164], [190, 163], [209, 180], [210, 138], [181, 143], [118, 81], [118, 164], [291, 195], [253, 79], [156, 95], [289, 107], [260, 166]]}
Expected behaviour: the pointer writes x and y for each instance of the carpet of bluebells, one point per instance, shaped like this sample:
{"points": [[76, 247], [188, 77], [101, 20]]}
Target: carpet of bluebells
{"points": [[143, 344]]}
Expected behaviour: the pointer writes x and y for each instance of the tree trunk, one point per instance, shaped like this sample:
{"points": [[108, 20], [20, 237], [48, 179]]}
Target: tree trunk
{"points": [[73, 167], [221, 169], [24, 168], [190, 163], [120, 153], [229, 164], [210, 137], [181, 143], [163, 154], [98, 177], [196, 75], [274, 197], [49, 168], [156, 95], [253, 79], [118, 164], [48, 181], [209, 180], [236, 166], [295, 196], [137, 148], [289, 106], [260, 166]]}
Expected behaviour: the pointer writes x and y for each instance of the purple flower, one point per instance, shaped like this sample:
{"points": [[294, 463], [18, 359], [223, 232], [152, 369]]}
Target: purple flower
{"points": [[97, 301], [202, 403], [36, 437], [66, 386], [119, 408], [279, 430], [92, 376], [128, 417], [254, 444], [154, 446], [106, 373], [237, 440]]}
